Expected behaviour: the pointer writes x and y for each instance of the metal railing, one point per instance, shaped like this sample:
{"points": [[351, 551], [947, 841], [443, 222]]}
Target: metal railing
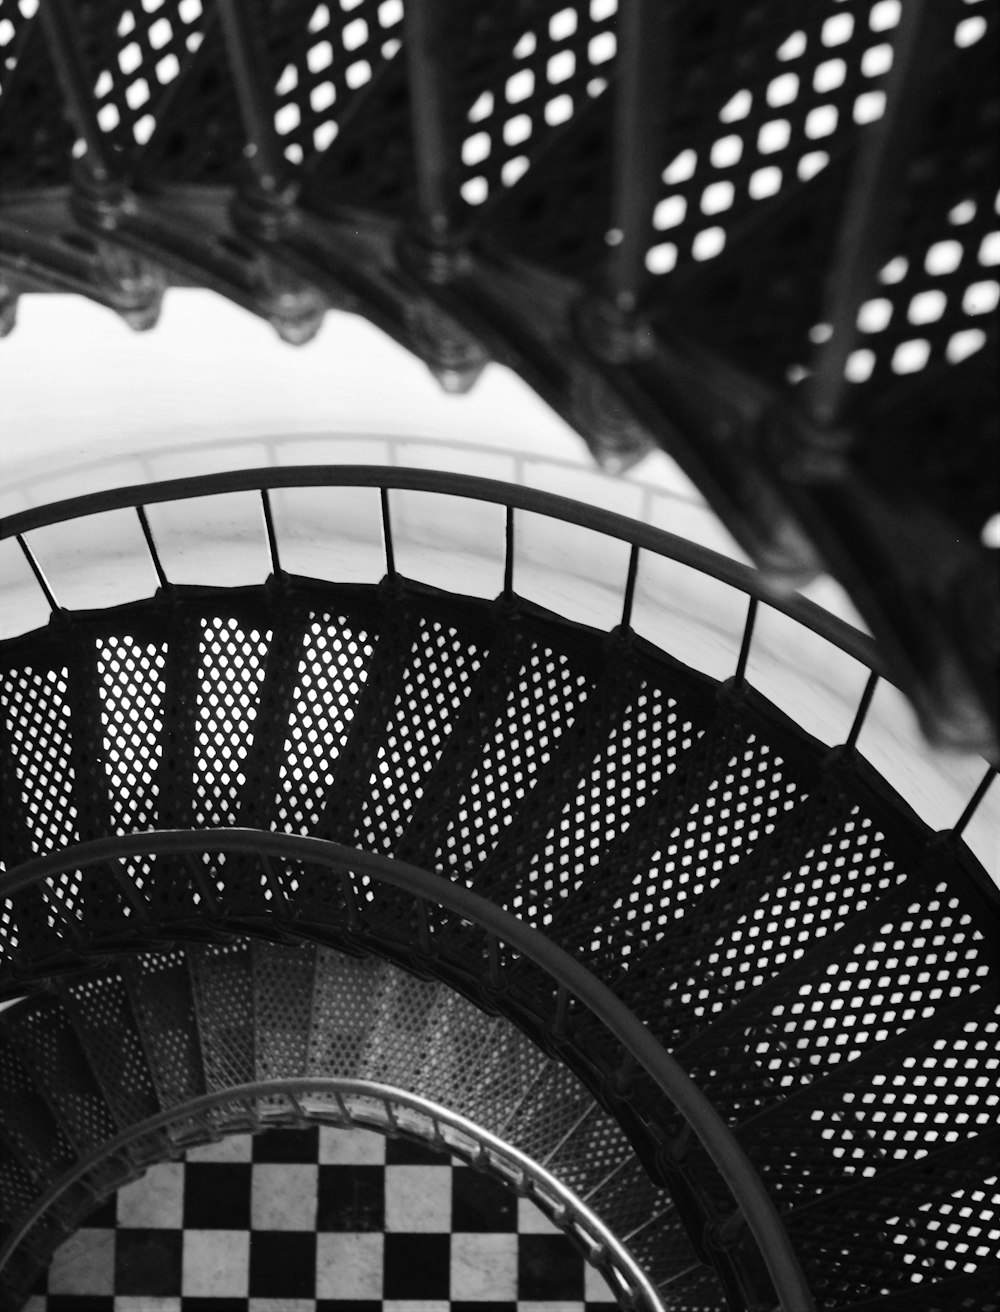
{"points": [[505, 940], [640, 537], [384, 1109]]}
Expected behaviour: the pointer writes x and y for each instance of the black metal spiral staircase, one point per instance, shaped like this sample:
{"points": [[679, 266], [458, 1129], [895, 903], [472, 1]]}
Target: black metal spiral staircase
{"points": [[745, 1001], [762, 237]]}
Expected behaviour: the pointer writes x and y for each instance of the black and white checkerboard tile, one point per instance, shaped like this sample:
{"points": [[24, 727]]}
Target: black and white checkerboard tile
{"points": [[318, 1220]]}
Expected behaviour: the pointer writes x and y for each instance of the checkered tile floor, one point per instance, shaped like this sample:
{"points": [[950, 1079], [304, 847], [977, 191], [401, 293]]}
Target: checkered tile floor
{"points": [[318, 1220]]}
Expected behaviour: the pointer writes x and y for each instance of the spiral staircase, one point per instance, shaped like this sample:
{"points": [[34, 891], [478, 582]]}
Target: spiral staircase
{"points": [[485, 871], [270, 853]]}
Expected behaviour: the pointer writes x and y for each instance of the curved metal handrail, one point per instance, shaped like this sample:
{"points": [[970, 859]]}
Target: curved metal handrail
{"points": [[638, 535], [572, 979], [490, 1153]]}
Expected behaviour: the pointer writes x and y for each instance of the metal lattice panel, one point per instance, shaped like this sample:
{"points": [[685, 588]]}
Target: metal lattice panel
{"points": [[223, 995], [49, 1047], [37, 720], [440, 668], [543, 702], [160, 989], [282, 1008], [30, 1130], [229, 683], [344, 998], [954, 1229], [334, 665], [103, 1019], [130, 676]]}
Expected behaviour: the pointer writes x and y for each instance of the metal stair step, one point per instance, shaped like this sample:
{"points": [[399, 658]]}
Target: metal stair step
{"points": [[873, 1215], [222, 988], [423, 669]]}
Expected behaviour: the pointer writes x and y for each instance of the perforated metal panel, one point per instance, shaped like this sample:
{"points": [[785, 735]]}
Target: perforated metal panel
{"points": [[37, 726], [282, 1008], [542, 703], [953, 1231], [47, 1043], [30, 1131], [130, 676], [223, 996], [439, 671], [159, 987], [334, 667], [106, 1027], [345, 997], [890, 1105], [228, 687]]}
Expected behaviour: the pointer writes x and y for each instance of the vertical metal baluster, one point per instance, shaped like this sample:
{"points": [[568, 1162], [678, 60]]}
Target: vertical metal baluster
{"points": [[974, 801], [508, 562], [862, 711], [40, 578], [633, 568], [154, 555], [390, 555], [272, 540], [741, 664]]}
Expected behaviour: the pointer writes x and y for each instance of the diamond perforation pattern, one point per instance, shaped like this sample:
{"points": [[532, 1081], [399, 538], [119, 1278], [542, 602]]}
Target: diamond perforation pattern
{"points": [[231, 676], [738, 800], [438, 677], [282, 1008], [940, 286], [558, 63], [926, 956], [130, 677], [49, 1047], [196, 134], [138, 51], [632, 746], [342, 47], [345, 994], [37, 718], [832, 882], [544, 702], [773, 132], [891, 1106], [102, 1016], [223, 993], [29, 1127], [159, 987], [954, 1232], [333, 671], [400, 1031]]}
